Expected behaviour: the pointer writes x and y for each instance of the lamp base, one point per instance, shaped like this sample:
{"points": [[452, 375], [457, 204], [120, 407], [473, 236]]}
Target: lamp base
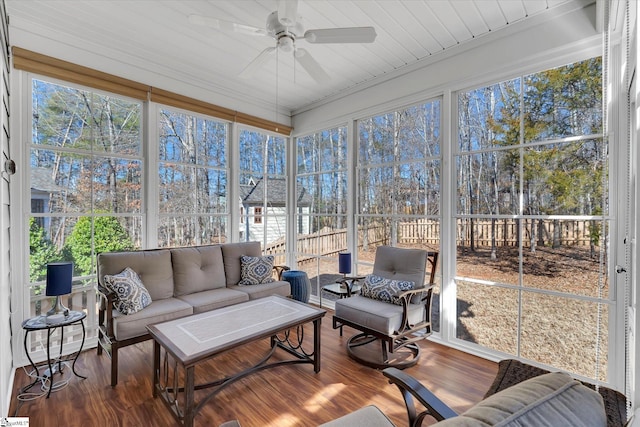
{"points": [[58, 308]]}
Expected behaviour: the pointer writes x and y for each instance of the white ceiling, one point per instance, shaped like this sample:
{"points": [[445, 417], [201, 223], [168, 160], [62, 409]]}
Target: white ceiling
{"points": [[157, 36]]}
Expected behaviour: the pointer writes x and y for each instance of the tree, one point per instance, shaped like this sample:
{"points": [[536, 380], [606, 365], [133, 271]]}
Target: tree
{"points": [[109, 235], [41, 252]]}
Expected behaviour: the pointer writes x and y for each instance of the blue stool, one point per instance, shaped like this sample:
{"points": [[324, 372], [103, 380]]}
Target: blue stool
{"points": [[300, 284]]}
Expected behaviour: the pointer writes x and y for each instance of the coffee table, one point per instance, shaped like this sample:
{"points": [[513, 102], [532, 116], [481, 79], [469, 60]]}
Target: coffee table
{"points": [[184, 343]]}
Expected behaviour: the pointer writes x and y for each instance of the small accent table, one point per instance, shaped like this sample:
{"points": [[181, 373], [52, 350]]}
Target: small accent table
{"points": [[344, 288], [39, 323]]}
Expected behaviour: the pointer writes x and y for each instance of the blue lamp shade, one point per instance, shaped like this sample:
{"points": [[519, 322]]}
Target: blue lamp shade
{"points": [[59, 278], [344, 263]]}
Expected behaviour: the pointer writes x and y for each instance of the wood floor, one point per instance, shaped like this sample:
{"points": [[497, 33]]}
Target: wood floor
{"points": [[285, 396]]}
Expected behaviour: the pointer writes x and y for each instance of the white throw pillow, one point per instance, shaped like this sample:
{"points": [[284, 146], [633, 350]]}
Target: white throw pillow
{"points": [[131, 295]]}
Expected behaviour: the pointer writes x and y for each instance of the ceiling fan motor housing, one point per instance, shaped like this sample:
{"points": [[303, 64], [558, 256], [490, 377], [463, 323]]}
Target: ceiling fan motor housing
{"points": [[285, 35]]}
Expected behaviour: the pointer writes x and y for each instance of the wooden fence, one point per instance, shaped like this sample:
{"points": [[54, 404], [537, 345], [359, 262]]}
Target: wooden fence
{"points": [[506, 232]]}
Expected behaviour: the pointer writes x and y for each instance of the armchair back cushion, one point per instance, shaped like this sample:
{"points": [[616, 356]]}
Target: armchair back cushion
{"points": [[232, 263], [401, 264], [197, 269], [153, 267], [553, 399]]}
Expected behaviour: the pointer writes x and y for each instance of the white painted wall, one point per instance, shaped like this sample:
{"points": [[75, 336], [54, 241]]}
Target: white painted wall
{"points": [[6, 357]]}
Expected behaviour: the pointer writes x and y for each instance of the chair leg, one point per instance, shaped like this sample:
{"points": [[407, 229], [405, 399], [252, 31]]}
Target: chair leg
{"points": [[385, 355], [363, 349], [114, 366]]}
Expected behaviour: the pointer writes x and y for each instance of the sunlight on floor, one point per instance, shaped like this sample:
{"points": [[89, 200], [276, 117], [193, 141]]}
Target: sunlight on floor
{"points": [[321, 398]]}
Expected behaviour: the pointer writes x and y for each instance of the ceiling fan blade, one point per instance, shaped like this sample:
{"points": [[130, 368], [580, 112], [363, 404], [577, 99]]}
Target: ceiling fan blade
{"points": [[341, 35], [311, 66], [257, 63], [288, 12], [228, 26]]}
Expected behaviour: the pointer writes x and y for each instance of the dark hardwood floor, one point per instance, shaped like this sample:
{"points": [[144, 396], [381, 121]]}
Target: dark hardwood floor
{"points": [[281, 397]]}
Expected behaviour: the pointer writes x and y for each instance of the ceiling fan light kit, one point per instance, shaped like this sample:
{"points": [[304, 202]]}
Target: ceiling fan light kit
{"points": [[285, 27]]}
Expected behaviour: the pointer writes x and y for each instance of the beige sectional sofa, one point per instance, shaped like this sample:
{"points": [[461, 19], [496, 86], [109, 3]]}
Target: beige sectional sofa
{"points": [[180, 282]]}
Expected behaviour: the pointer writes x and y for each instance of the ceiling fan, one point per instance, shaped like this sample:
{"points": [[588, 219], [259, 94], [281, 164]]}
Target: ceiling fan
{"points": [[284, 25]]}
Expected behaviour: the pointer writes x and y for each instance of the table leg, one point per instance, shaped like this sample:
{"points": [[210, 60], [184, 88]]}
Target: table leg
{"points": [[156, 368], [316, 344], [49, 361], [75, 359], [188, 397]]}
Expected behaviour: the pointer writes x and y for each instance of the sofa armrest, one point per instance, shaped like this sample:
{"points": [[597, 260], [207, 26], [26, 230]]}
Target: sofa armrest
{"points": [[410, 388], [279, 269]]}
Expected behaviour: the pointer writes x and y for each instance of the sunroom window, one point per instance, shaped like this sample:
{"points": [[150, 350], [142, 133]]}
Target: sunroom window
{"points": [[532, 220], [85, 161]]}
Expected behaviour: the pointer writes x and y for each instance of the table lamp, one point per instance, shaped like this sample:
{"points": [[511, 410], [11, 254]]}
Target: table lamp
{"points": [[59, 278], [344, 263]]}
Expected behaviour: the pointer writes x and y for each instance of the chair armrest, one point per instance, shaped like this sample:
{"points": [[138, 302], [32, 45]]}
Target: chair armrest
{"points": [[410, 388], [406, 298], [106, 299], [407, 295], [279, 269]]}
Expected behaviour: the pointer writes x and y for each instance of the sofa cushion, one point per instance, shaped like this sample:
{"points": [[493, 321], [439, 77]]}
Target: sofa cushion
{"points": [[256, 270], [197, 269], [131, 295], [231, 253], [377, 315], [212, 299], [135, 325], [279, 287], [152, 266], [553, 399], [386, 290]]}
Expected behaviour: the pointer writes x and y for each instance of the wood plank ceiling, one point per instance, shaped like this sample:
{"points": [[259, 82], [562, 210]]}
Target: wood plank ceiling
{"points": [[158, 36]]}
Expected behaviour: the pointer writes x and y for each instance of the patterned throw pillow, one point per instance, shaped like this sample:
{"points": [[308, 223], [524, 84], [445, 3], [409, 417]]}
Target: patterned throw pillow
{"points": [[388, 290], [131, 295], [256, 270]]}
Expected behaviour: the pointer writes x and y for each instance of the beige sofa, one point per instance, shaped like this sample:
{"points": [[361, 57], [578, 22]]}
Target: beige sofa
{"points": [[180, 282]]}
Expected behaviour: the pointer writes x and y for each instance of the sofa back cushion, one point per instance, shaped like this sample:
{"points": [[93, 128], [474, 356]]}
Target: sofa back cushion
{"points": [[197, 269], [553, 399], [231, 253], [153, 267]]}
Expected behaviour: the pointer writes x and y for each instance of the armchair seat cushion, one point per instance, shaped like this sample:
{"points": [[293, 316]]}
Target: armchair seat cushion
{"points": [[377, 315]]}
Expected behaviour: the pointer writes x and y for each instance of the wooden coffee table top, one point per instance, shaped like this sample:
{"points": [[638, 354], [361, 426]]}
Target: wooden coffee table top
{"points": [[200, 336]]}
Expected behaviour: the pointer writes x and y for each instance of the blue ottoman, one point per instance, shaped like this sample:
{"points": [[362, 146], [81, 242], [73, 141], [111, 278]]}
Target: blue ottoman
{"points": [[300, 284]]}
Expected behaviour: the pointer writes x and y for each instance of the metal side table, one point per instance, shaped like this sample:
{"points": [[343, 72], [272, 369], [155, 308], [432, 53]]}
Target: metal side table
{"points": [[344, 288], [39, 323]]}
